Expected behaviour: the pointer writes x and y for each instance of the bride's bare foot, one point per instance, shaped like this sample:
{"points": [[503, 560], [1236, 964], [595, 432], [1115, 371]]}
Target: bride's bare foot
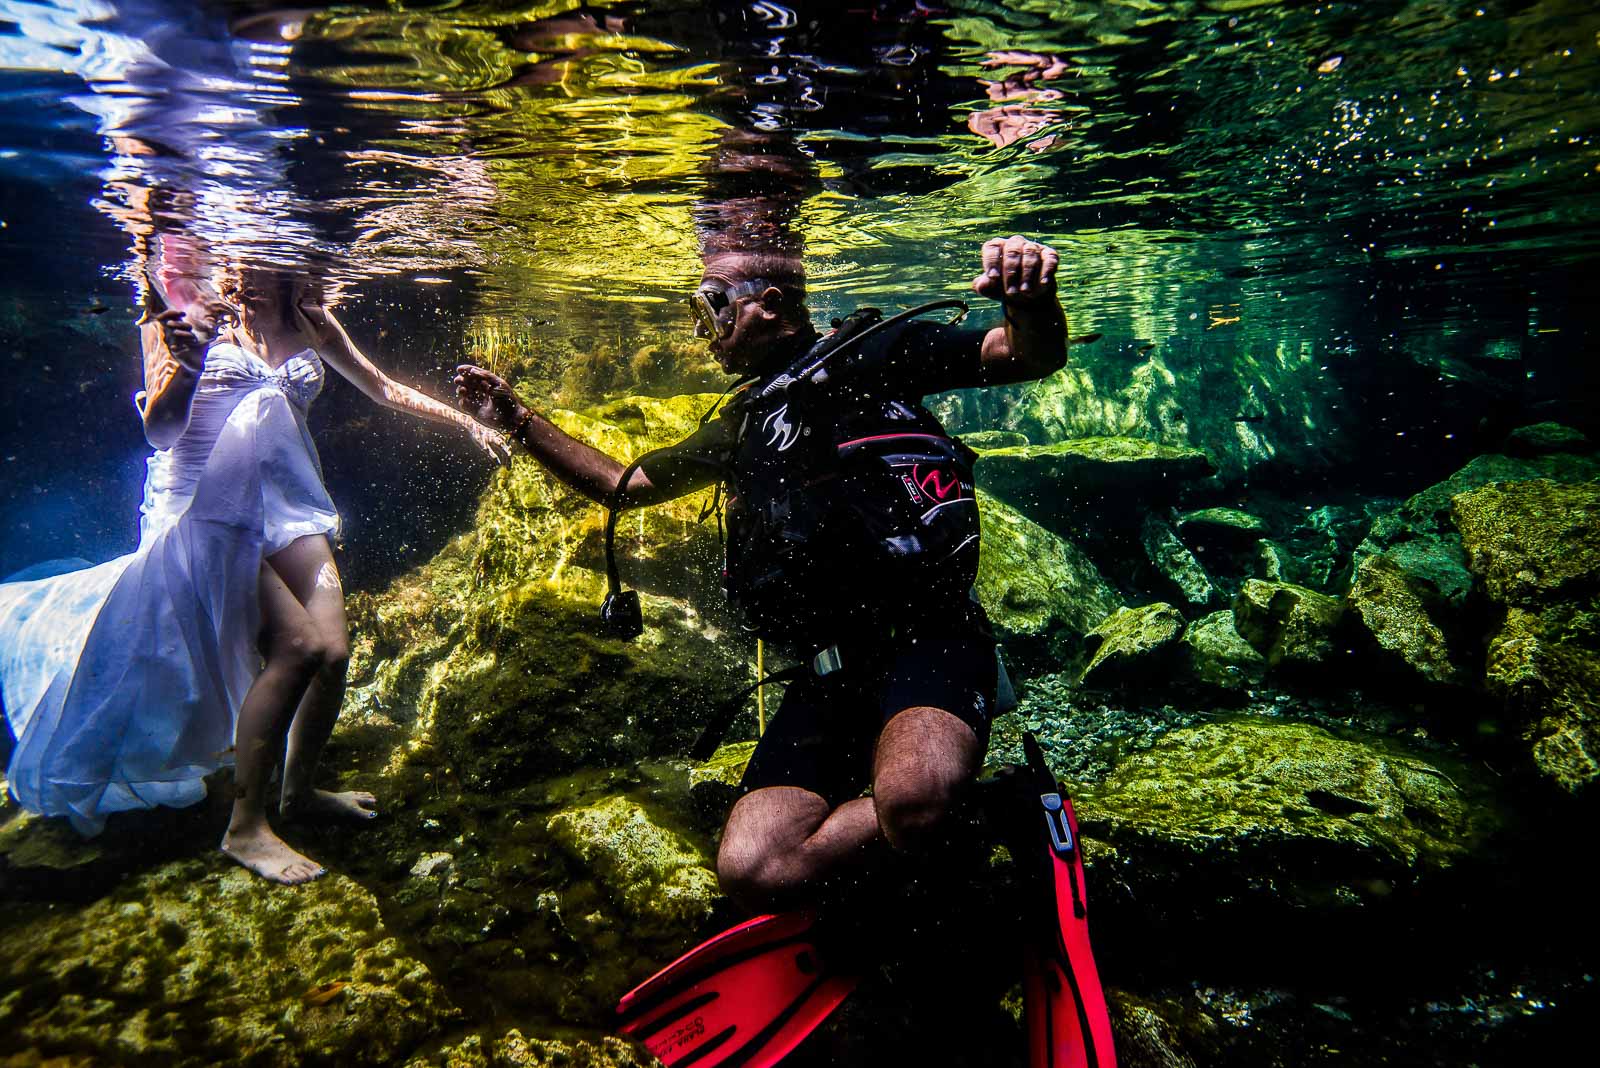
{"points": [[329, 805], [270, 856]]}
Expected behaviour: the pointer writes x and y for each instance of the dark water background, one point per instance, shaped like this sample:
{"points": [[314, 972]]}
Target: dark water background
{"points": [[1404, 189]]}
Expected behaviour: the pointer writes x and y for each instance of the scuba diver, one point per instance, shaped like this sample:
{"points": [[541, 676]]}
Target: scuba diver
{"points": [[852, 540]]}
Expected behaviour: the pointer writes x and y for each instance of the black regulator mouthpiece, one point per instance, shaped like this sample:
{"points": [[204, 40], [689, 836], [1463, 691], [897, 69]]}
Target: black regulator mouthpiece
{"points": [[620, 614]]}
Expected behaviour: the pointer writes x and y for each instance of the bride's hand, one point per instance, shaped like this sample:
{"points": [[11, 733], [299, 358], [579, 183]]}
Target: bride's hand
{"points": [[186, 339], [490, 441]]}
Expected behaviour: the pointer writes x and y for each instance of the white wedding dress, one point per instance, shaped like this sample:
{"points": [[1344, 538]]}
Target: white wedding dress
{"points": [[122, 682]]}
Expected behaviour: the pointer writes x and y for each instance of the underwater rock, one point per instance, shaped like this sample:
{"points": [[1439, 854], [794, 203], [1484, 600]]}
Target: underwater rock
{"points": [[653, 873], [1222, 525], [1408, 614], [1540, 438], [1536, 547], [1173, 559], [714, 785], [995, 439], [1219, 657], [1290, 625], [1531, 542], [1043, 479], [194, 964], [461, 662], [1428, 512], [1256, 810], [1033, 582], [1131, 642], [513, 1050]]}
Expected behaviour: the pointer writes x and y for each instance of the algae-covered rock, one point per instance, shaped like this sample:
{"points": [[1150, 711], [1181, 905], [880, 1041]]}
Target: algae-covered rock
{"points": [[1044, 478], [1033, 582], [1174, 560], [1531, 542], [1545, 666], [714, 785], [1279, 811], [190, 964], [1219, 657], [1289, 625], [1131, 641], [514, 1050], [1536, 547], [1538, 439], [652, 873], [496, 642], [1409, 616], [1428, 512], [1222, 524]]}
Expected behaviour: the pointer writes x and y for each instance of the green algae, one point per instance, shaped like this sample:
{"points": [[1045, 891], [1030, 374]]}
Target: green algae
{"points": [[1035, 583], [1407, 617], [1290, 625], [1173, 559], [1218, 657], [1287, 809], [655, 875], [189, 965], [1131, 641], [1531, 542], [1223, 522], [1535, 545], [1117, 466]]}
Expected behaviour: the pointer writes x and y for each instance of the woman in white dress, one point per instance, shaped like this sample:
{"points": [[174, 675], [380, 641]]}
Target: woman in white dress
{"points": [[222, 638]]}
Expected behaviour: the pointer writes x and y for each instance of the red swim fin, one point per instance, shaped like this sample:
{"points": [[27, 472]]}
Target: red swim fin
{"points": [[1064, 1006], [746, 997]]}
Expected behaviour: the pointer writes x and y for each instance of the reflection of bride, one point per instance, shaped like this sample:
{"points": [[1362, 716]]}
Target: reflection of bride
{"points": [[222, 637]]}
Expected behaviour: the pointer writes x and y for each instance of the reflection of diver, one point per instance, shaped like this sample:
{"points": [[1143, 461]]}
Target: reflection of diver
{"points": [[852, 540], [221, 639], [1017, 114]]}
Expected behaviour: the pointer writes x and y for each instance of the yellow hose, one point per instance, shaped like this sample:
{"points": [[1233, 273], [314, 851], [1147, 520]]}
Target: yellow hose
{"points": [[761, 691]]}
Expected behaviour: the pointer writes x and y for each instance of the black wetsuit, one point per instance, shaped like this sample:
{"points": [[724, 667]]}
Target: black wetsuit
{"points": [[799, 564]]}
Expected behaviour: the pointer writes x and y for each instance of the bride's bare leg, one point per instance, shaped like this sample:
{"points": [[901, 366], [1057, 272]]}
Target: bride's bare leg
{"points": [[307, 567], [294, 653]]}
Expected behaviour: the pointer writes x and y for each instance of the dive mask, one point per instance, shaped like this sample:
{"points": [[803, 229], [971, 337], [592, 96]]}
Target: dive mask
{"points": [[712, 305]]}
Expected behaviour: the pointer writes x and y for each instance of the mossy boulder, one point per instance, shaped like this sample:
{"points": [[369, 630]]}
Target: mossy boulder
{"points": [[1222, 525], [1218, 657], [1130, 643], [1408, 615], [1290, 625], [1531, 542], [1256, 810], [1428, 512], [198, 963], [1042, 479], [714, 785], [1035, 583], [1538, 439], [496, 640], [1172, 558], [652, 873], [1536, 547]]}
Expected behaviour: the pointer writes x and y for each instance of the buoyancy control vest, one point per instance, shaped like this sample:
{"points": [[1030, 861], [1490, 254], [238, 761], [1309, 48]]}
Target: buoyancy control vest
{"points": [[847, 507]]}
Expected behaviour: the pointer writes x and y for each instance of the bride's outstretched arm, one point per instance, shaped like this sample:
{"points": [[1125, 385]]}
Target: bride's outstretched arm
{"points": [[340, 353]]}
